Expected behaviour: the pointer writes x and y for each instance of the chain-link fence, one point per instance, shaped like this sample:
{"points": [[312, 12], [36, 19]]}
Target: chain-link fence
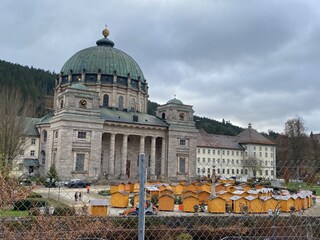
{"points": [[187, 210]]}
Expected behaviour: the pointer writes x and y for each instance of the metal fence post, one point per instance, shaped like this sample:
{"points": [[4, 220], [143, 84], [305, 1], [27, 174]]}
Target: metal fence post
{"points": [[141, 226]]}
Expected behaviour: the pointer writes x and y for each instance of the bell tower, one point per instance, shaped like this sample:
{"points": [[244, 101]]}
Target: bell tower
{"points": [[182, 139]]}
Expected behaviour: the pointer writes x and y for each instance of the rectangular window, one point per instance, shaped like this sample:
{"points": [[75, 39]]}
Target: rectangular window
{"points": [[266, 172], [223, 161], [271, 155], [208, 151], [266, 148], [237, 171], [209, 160], [198, 170], [32, 153], [204, 160], [260, 148], [198, 150], [182, 165], [213, 151], [246, 171], [214, 161], [218, 170], [266, 154], [254, 148], [241, 171], [56, 134], [218, 160], [260, 154], [260, 171], [254, 153], [237, 153], [228, 171], [222, 152], [237, 161], [218, 152], [203, 151], [33, 141], [271, 149], [182, 142], [266, 163], [272, 172], [232, 161], [82, 135], [223, 171], [228, 152], [198, 159], [246, 154], [208, 170], [232, 171], [80, 162]]}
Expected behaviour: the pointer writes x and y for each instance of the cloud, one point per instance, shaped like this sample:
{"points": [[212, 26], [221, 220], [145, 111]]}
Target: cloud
{"points": [[244, 61]]}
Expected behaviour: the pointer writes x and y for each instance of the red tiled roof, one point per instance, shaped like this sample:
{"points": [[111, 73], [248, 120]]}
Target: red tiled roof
{"points": [[250, 135]]}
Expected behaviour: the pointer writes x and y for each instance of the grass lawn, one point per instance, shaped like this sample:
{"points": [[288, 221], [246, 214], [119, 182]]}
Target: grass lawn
{"points": [[305, 186], [12, 213]]}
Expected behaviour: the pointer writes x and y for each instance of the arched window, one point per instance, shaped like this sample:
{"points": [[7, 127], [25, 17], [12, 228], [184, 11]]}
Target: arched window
{"points": [[44, 135], [106, 100], [120, 103], [43, 157], [163, 116], [61, 104], [133, 104]]}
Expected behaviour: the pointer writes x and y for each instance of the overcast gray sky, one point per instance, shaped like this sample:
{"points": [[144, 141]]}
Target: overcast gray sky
{"points": [[245, 61]]}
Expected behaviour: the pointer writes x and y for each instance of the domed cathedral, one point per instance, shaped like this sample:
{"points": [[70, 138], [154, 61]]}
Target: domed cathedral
{"points": [[100, 126]]}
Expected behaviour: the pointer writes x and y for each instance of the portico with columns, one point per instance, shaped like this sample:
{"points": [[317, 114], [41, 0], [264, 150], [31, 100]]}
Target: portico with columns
{"points": [[121, 146]]}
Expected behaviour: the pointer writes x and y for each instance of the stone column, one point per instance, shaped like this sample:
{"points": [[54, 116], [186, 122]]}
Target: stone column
{"points": [[111, 156], [163, 155], [124, 150], [153, 159]]}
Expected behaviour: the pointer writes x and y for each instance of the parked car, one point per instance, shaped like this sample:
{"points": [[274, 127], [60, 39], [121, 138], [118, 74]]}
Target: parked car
{"points": [[77, 183]]}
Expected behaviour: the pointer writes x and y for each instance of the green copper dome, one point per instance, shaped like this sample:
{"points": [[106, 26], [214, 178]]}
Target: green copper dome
{"points": [[103, 58], [175, 101]]}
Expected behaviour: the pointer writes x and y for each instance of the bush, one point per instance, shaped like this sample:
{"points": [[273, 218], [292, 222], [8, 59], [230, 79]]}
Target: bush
{"points": [[64, 211], [154, 200], [27, 204], [104, 193]]}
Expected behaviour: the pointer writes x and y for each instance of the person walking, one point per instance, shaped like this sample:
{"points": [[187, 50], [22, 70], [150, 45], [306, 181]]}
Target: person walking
{"points": [[80, 196], [88, 189], [76, 196]]}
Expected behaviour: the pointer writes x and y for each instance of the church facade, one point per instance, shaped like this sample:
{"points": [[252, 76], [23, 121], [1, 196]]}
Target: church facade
{"points": [[100, 126]]}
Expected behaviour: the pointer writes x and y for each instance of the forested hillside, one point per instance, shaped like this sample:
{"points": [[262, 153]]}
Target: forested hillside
{"points": [[35, 84]]}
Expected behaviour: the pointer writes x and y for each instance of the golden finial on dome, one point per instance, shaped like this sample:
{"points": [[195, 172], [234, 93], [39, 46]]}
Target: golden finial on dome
{"points": [[105, 31]]}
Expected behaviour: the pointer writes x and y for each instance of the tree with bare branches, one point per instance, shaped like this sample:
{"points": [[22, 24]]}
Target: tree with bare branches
{"points": [[13, 110], [252, 164], [296, 145]]}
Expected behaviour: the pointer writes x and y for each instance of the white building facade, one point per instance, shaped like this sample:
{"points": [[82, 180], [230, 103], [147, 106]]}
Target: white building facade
{"points": [[248, 154]]}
